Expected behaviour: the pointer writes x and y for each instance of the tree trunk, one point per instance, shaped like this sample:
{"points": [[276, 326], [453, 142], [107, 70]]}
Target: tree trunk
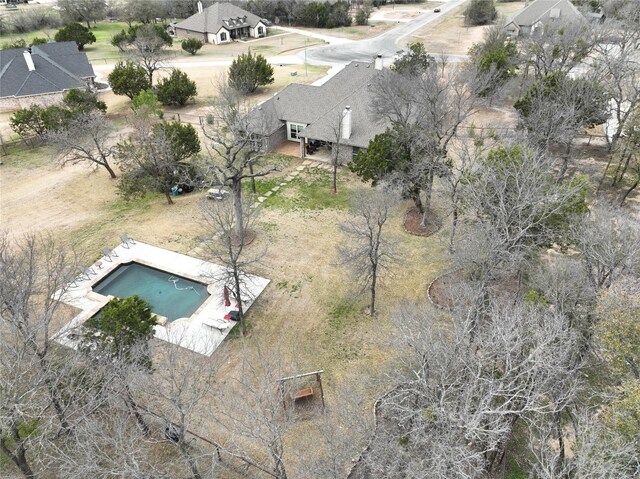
{"points": [[195, 473], [253, 179], [110, 170], [53, 392], [133, 407], [454, 224], [279, 469], [565, 162], [334, 184], [417, 201], [19, 457], [237, 206], [560, 436], [167, 195], [374, 279], [626, 166], [427, 201], [628, 192], [238, 297], [604, 174]]}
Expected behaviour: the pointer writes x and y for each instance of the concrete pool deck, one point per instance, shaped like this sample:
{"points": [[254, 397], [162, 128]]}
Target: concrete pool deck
{"points": [[191, 333]]}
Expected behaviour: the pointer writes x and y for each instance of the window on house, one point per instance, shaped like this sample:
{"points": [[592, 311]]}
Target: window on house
{"points": [[260, 31], [294, 130], [223, 37]]}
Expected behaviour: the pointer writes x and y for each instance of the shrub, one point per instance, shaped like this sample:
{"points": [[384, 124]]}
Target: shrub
{"points": [[128, 79], [17, 43], [248, 72], [363, 14], [38, 41], [480, 12], [178, 89], [192, 45], [74, 32]]}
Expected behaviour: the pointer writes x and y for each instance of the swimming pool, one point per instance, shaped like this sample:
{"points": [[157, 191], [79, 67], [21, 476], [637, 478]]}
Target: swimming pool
{"points": [[169, 295]]}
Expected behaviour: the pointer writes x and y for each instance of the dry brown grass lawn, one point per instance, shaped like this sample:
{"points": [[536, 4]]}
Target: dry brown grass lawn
{"points": [[309, 312], [450, 35]]}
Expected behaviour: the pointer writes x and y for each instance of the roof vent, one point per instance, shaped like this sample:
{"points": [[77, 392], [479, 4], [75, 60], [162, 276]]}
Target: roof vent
{"points": [[199, 7], [29, 61]]}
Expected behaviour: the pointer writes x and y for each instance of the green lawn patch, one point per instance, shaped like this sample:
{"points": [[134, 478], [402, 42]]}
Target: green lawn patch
{"points": [[312, 191], [21, 155], [342, 313], [122, 206], [263, 185]]}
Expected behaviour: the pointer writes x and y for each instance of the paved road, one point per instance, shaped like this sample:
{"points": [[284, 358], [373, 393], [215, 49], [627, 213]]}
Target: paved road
{"points": [[339, 51], [386, 44]]}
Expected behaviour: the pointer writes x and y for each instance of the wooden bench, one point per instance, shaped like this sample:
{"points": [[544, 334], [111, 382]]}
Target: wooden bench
{"points": [[302, 393]]}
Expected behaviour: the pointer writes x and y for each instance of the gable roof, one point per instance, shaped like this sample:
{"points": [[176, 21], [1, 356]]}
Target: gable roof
{"points": [[321, 107], [544, 9], [58, 67], [219, 15]]}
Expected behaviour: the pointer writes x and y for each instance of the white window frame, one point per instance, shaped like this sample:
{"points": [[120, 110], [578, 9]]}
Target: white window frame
{"points": [[299, 127]]}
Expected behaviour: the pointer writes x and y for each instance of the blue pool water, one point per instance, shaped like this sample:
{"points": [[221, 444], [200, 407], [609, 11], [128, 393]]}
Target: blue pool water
{"points": [[169, 295]]}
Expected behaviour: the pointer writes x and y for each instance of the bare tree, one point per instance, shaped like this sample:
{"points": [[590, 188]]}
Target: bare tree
{"points": [[557, 47], [597, 451], [468, 383], [554, 110], [43, 386], [426, 110], [236, 146], [365, 250], [609, 241], [336, 158], [83, 10], [627, 154], [466, 154], [517, 206], [155, 157], [258, 423], [149, 50], [86, 138], [180, 393], [227, 248], [108, 444]]}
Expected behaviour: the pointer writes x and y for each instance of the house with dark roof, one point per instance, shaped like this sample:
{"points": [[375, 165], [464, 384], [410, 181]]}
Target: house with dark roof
{"points": [[41, 74], [540, 12], [221, 23], [334, 113]]}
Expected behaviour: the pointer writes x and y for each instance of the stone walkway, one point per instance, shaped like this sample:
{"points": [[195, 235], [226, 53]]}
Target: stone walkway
{"points": [[294, 174]]}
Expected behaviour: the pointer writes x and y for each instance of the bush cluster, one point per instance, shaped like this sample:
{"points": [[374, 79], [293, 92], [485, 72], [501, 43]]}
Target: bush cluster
{"points": [[305, 14]]}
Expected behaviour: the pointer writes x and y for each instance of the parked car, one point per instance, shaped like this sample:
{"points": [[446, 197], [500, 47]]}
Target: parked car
{"points": [[436, 10]]}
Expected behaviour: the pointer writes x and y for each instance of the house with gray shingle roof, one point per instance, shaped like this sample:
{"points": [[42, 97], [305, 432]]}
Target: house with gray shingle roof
{"points": [[539, 12], [319, 115], [41, 74], [221, 23]]}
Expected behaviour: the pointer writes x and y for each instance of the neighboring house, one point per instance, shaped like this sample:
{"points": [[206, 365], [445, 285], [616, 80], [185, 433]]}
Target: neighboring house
{"points": [[41, 74], [221, 23], [538, 13], [334, 113]]}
